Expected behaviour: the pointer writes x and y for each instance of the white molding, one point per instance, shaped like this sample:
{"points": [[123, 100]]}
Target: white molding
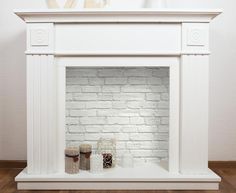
{"points": [[117, 61], [205, 52], [108, 53], [118, 186], [93, 15], [61, 122], [174, 117]]}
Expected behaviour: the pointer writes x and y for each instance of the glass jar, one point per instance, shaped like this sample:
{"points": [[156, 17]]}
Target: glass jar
{"points": [[107, 147], [56, 4]]}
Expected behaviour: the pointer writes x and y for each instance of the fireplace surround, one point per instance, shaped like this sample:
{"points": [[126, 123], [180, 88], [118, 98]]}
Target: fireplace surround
{"points": [[141, 39]]}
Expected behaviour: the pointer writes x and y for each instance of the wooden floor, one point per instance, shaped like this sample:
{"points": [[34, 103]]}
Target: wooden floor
{"points": [[228, 184]]}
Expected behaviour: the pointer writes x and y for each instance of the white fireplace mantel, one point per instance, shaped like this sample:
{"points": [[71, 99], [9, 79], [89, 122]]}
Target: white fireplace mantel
{"points": [[143, 15], [177, 39]]}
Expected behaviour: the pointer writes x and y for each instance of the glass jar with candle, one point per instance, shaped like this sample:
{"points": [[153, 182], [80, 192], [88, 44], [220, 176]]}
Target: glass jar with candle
{"points": [[107, 147]]}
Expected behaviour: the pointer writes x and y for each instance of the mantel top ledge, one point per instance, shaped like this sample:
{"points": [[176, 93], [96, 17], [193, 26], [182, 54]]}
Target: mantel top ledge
{"points": [[94, 15]]}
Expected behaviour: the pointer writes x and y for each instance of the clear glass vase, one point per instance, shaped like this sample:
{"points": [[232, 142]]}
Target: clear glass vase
{"points": [[56, 4], [96, 3], [155, 4]]}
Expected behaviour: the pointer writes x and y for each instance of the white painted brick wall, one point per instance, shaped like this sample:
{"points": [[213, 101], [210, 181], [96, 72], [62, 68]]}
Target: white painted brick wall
{"points": [[130, 104]]}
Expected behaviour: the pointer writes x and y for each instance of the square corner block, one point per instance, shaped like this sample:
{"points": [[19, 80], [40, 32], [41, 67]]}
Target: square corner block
{"points": [[39, 37], [197, 37]]}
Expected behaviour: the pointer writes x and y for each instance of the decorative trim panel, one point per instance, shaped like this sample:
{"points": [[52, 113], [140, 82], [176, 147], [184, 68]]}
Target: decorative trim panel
{"points": [[40, 37], [195, 37], [194, 115], [118, 38], [41, 115]]}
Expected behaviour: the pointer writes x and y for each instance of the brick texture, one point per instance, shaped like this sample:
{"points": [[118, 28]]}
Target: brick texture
{"points": [[129, 104]]}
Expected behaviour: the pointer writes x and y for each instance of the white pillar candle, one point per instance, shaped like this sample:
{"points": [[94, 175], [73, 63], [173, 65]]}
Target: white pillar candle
{"points": [[96, 163], [127, 161]]}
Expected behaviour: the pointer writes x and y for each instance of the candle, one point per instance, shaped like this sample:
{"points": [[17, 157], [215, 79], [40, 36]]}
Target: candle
{"points": [[96, 163], [72, 160], [127, 161], [107, 160], [85, 153]]}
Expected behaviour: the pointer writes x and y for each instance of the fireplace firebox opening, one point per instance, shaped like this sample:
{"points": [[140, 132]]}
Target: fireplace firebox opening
{"points": [[130, 105]]}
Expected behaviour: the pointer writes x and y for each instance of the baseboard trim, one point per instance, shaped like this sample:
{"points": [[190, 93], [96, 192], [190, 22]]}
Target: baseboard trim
{"points": [[10, 164], [22, 164], [222, 164]]}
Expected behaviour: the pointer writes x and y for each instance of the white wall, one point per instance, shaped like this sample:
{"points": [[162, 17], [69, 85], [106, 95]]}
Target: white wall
{"points": [[222, 134], [12, 46]]}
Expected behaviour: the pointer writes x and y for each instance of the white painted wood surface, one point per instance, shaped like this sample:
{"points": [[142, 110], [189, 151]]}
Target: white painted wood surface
{"points": [[195, 37], [118, 61], [118, 186], [40, 37], [177, 39], [61, 104], [118, 38], [144, 177], [194, 115], [125, 16], [41, 114], [174, 118], [139, 173]]}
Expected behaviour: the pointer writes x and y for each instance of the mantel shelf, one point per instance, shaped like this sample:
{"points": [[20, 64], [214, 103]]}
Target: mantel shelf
{"points": [[94, 15]]}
